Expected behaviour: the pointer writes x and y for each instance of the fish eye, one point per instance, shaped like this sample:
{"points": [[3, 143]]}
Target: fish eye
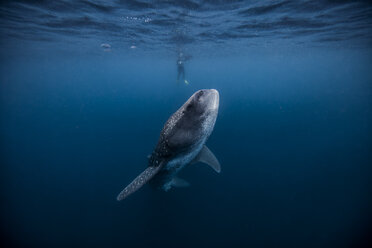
{"points": [[190, 106], [199, 95]]}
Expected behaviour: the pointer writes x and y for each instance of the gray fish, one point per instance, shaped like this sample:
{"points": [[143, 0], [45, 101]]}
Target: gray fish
{"points": [[182, 142]]}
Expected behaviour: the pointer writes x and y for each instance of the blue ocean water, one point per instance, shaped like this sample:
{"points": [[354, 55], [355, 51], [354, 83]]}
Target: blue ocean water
{"points": [[86, 87]]}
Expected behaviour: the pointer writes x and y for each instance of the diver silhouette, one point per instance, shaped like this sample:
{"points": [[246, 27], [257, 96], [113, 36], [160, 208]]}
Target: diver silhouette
{"points": [[181, 67]]}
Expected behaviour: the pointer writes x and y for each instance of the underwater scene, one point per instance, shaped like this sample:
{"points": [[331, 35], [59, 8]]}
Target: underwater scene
{"points": [[190, 123]]}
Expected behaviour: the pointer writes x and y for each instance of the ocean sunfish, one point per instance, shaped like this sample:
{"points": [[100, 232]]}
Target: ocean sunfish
{"points": [[182, 142]]}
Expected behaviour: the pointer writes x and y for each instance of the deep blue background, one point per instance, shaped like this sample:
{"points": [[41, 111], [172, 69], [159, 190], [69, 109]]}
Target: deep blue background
{"points": [[86, 86], [293, 137]]}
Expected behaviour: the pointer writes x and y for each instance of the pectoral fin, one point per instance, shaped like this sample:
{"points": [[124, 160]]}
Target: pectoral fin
{"points": [[207, 157], [138, 182], [178, 182]]}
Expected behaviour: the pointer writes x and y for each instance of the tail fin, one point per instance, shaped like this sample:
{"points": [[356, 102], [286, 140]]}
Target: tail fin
{"points": [[138, 182]]}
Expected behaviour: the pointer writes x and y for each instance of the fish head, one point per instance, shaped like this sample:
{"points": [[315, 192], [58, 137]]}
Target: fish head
{"points": [[201, 105], [194, 121]]}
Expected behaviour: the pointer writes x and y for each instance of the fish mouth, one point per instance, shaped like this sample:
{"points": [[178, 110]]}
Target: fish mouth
{"points": [[215, 101], [206, 99]]}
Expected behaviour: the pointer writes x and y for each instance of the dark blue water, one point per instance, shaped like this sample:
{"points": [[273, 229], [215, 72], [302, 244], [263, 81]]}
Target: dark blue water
{"points": [[86, 86]]}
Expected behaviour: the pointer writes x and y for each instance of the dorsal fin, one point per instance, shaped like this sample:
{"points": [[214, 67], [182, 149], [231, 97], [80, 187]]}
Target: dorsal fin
{"points": [[207, 157], [139, 181]]}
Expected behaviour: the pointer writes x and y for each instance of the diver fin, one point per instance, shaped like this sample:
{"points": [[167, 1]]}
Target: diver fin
{"points": [[207, 157], [138, 182], [178, 182]]}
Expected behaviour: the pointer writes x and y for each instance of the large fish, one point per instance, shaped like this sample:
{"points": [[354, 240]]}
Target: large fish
{"points": [[182, 142]]}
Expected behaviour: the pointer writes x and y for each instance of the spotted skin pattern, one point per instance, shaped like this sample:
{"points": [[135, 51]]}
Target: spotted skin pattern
{"points": [[180, 141], [138, 182]]}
